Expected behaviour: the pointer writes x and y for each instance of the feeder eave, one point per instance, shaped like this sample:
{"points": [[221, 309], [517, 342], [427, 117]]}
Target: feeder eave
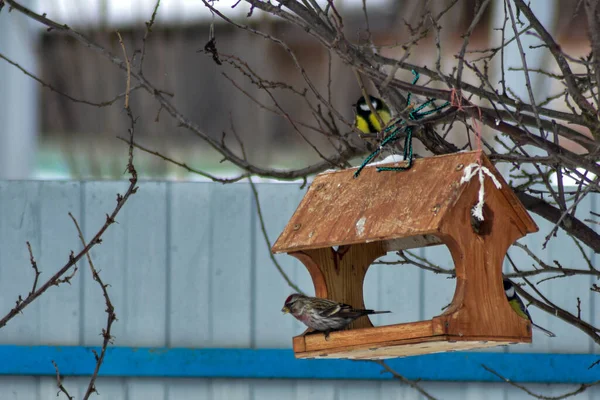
{"points": [[391, 243], [339, 209]]}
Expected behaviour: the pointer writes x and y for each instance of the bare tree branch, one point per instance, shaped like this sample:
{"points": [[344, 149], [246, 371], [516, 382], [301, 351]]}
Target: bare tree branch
{"points": [[404, 380], [575, 392], [59, 383]]}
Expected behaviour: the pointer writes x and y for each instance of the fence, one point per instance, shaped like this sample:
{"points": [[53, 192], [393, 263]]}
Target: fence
{"points": [[189, 269]]}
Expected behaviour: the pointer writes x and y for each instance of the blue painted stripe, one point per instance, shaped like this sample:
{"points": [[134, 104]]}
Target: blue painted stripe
{"points": [[279, 363]]}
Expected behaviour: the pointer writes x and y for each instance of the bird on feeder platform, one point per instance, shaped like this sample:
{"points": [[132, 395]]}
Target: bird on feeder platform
{"points": [[321, 314], [519, 307]]}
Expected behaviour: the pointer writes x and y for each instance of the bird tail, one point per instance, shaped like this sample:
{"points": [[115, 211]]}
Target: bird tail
{"points": [[546, 331], [370, 312]]}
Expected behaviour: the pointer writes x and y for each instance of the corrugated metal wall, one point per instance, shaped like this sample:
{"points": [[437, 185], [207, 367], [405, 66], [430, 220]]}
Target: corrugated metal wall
{"points": [[188, 267]]}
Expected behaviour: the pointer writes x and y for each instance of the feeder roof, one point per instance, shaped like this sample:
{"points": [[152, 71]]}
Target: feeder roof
{"points": [[405, 207]]}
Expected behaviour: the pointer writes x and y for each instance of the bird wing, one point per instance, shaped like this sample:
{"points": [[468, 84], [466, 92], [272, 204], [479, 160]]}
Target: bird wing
{"points": [[343, 311], [328, 312], [362, 124], [517, 305], [329, 308]]}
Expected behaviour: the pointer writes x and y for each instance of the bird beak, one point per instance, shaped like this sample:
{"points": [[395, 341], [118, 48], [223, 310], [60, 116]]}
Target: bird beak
{"points": [[285, 310]]}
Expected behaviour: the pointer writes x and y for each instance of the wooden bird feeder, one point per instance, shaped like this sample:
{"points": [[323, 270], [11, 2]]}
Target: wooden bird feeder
{"points": [[389, 211]]}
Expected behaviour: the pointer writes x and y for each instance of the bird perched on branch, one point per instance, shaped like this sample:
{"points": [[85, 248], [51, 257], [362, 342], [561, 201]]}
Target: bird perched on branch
{"points": [[519, 307], [366, 121], [321, 314]]}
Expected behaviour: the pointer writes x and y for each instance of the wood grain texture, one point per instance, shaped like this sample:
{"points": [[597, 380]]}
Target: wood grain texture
{"points": [[373, 215], [368, 336], [404, 348], [479, 306], [339, 275], [341, 210]]}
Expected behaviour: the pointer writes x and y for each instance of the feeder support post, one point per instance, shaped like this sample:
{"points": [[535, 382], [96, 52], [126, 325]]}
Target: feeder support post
{"points": [[339, 275]]}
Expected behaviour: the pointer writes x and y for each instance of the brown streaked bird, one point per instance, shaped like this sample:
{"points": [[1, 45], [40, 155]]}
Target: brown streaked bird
{"points": [[321, 314]]}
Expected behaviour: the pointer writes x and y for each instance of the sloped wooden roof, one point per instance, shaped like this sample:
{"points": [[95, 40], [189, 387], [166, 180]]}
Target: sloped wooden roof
{"points": [[341, 210]]}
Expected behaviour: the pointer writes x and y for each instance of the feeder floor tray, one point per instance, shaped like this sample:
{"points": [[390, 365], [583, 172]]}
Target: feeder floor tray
{"points": [[390, 341]]}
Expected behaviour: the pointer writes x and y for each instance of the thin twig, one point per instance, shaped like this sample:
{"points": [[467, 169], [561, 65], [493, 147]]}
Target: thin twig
{"points": [[147, 33], [111, 317], [73, 99], [184, 165], [59, 383], [128, 86], [575, 392], [404, 380], [97, 239], [35, 268], [268, 242], [467, 36]]}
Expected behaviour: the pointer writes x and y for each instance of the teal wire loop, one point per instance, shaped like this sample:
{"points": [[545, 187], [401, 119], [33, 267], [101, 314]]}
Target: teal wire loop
{"points": [[392, 133]]}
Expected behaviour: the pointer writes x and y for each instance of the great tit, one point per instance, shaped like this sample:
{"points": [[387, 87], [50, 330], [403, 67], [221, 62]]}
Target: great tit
{"points": [[366, 121], [517, 305]]}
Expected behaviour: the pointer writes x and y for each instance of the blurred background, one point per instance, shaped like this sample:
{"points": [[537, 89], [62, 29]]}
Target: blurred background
{"points": [[44, 135]]}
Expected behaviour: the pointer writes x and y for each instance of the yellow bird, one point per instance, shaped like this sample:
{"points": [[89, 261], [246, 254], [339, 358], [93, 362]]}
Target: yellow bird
{"points": [[517, 305], [366, 121]]}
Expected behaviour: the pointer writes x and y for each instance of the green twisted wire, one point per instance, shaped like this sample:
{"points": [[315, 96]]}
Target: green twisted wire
{"points": [[395, 128]]}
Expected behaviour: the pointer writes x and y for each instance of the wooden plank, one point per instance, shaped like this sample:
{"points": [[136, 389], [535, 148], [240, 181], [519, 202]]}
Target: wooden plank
{"points": [[358, 390], [145, 219], [381, 206], [187, 389], [404, 348], [48, 389], [109, 259], [60, 309], [271, 389], [238, 389], [19, 223], [146, 273], [524, 221], [19, 387], [144, 389], [438, 289], [314, 389], [317, 341], [396, 391], [109, 388], [471, 391], [230, 283], [411, 242], [393, 213], [132, 259], [339, 275], [479, 306], [190, 238], [277, 202]]}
